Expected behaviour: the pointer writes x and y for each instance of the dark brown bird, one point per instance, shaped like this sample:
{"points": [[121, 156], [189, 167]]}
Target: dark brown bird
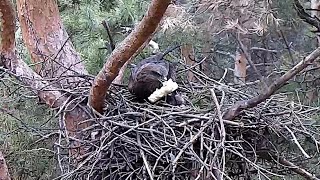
{"points": [[149, 74]]}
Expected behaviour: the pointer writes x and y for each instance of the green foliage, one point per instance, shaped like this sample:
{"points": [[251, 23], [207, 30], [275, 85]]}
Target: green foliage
{"points": [[89, 37], [22, 122]]}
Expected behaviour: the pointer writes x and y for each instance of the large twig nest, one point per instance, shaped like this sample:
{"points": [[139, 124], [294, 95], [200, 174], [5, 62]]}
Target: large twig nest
{"points": [[158, 141]]}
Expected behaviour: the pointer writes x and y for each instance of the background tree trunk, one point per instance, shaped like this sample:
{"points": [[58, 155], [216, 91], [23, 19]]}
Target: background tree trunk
{"points": [[240, 62], [187, 54], [312, 92], [4, 173], [240, 68], [47, 41], [315, 5]]}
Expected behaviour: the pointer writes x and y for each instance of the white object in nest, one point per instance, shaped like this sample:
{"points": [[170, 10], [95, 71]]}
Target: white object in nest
{"points": [[167, 88]]}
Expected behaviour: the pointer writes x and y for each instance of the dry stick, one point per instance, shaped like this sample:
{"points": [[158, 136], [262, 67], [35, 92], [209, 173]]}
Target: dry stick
{"points": [[297, 142], [106, 26], [145, 161], [236, 109], [292, 167], [222, 131], [287, 47], [195, 137], [263, 49]]}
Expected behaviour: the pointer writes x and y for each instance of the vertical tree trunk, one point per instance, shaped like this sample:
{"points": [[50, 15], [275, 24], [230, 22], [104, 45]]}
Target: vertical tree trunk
{"points": [[240, 68], [315, 5], [4, 173], [312, 90], [47, 41], [52, 52], [205, 66], [187, 54], [240, 62]]}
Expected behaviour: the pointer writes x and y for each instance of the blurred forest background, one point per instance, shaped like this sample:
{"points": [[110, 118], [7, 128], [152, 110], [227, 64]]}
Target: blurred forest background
{"points": [[275, 37]]}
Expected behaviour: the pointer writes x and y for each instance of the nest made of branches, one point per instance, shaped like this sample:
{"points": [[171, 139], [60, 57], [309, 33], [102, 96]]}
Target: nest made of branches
{"points": [[158, 141]]}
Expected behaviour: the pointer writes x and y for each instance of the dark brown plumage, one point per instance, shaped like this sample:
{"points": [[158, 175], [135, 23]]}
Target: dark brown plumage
{"points": [[149, 74]]}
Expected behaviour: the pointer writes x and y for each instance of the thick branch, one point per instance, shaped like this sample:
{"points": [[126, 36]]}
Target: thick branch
{"points": [[119, 78], [124, 51], [235, 110]]}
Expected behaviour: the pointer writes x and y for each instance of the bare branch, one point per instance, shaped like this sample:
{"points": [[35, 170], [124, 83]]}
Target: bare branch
{"points": [[236, 109], [106, 26], [302, 172]]}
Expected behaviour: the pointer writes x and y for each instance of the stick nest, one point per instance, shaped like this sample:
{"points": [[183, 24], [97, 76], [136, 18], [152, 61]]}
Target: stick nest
{"points": [[157, 141]]}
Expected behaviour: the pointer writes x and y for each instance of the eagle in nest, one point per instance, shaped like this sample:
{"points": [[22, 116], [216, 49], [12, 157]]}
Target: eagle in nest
{"points": [[152, 74]]}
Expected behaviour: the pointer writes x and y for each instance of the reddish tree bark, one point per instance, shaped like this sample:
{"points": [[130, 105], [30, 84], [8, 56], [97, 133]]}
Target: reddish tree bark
{"points": [[187, 55], [170, 12], [47, 41], [7, 45], [50, 48], [240, 68], [4, 172], [119, 78], [24, 73], [7, 34], [124, 51]]}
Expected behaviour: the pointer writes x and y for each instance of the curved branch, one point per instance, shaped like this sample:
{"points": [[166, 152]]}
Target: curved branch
{"points": [[124, 51], [236, 109]]}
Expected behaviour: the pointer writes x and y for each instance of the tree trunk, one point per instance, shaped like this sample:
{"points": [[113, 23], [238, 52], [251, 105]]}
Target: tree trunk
{"points": [[240, 68], [187, 54], [119, 78], [53, 54], [8, 27], [47, 41], [4, 173], [25, 74], [240, 62], [44, 35], [315, 5]]}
